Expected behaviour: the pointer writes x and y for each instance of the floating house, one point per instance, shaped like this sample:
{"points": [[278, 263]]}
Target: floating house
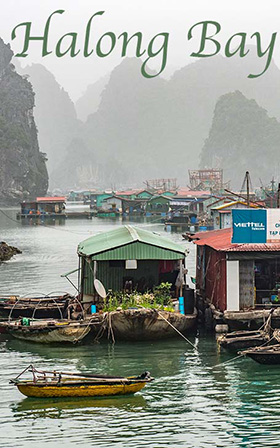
{"points": [[222, 214], [112, 203], [97, 198], [135, 206], [180, 214], [128, 255], [143, 194], [236, 277], [158, 205], [44, 206]]}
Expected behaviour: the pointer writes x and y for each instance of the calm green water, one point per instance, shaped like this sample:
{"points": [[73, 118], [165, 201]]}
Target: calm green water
{"points": [[189, 404]]}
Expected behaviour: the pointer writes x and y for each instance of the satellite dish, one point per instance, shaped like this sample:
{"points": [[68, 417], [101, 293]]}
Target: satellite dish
{"points": [[101, 291]]}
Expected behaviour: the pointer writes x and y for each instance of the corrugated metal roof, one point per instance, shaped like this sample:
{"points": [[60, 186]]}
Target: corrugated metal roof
{"points": [[220, 240], [51, 199], [230, 204], [169, 198], [217, 239], [265, 247], [127, 192], [192, 193], [116, 243]]}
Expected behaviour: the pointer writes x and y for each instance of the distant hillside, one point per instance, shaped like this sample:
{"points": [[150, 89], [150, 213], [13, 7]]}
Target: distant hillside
{"points": [[146, 128], [242, 137], [80, 169], [23, 170], [54, 114], [89, 102]]}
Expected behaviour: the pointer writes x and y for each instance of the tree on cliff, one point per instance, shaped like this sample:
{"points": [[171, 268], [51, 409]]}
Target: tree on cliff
{"points": [[23, 170], [242, 137]]}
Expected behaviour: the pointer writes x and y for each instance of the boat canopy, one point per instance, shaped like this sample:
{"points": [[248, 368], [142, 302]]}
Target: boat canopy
{"points": [[130, 243]]}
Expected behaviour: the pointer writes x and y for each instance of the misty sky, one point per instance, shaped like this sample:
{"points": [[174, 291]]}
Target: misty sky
{"points": [[148, 16]]}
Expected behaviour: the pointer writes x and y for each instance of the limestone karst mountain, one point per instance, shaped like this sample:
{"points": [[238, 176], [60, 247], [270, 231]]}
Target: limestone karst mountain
{"points": [[89, 102], [138, 128], [54, 114], [23, 170], [242, 137], [157, 128]]}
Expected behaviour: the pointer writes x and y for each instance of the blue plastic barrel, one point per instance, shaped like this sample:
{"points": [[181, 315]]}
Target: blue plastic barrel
{"points": [[181, 305], [93, 309]]}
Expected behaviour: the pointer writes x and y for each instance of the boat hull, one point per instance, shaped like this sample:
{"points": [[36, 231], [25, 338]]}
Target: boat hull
{"points": [[242, 340], [148, 324], [49, 391], [48, 335], [269, 359]]}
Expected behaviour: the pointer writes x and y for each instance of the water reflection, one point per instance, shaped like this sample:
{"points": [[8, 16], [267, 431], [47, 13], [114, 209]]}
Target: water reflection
{"points": [[33, 408], [160, 358], [189, 404]]}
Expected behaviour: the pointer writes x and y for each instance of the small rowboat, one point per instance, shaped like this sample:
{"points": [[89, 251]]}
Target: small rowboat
{"points": [[38, 307], [58, 384], [243, 339], [49, 331], [264, 355]]}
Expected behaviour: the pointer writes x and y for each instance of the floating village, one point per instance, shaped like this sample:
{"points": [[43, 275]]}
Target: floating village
{"points": [[133, 284]]}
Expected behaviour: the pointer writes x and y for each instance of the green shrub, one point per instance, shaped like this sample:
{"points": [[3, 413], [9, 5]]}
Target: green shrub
{"points": [[160, 298]]}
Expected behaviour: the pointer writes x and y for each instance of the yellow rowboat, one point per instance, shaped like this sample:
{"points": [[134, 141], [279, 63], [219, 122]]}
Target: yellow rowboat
{"points": [[59, 384]]}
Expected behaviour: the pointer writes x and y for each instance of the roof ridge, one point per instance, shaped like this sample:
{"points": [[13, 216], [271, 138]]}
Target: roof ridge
{"points": [[133, 233]]}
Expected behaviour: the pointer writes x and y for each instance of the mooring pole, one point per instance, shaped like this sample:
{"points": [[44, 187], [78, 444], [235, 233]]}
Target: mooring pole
{"points": [[247, 188], [278, 196]]}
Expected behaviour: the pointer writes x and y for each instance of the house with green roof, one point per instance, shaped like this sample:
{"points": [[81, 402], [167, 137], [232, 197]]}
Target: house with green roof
{"points": [[128, 255], [158, 205]]}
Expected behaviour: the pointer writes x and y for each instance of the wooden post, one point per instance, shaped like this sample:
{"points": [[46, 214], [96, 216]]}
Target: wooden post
{"points": [[181, 278], [247, 188], [278, 196]]}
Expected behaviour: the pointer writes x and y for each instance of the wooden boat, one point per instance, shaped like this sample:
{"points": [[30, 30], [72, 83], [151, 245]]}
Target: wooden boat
{"points": [[148, 324], [238, 340], [39, 307], [60, 384], [264, 355], [51, 331], [243, 339]]}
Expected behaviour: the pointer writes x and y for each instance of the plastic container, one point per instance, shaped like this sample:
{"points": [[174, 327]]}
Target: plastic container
{"points": [[93, 309], [181, 305], [25, 321]]}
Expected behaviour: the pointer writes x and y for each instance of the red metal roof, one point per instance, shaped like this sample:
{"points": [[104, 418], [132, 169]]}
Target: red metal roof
{"points": [[220, 240], [192, 193], [127, 192], [51, 199]]}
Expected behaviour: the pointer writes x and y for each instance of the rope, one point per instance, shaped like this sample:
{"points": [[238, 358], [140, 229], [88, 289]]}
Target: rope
{"points": [[227, 362], [44, 225], [240, 356], [174, 328], [78, 339], [110, 329]]}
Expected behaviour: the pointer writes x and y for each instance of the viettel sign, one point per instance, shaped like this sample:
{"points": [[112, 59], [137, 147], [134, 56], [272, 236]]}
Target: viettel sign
{"points": [[256, 225]]}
